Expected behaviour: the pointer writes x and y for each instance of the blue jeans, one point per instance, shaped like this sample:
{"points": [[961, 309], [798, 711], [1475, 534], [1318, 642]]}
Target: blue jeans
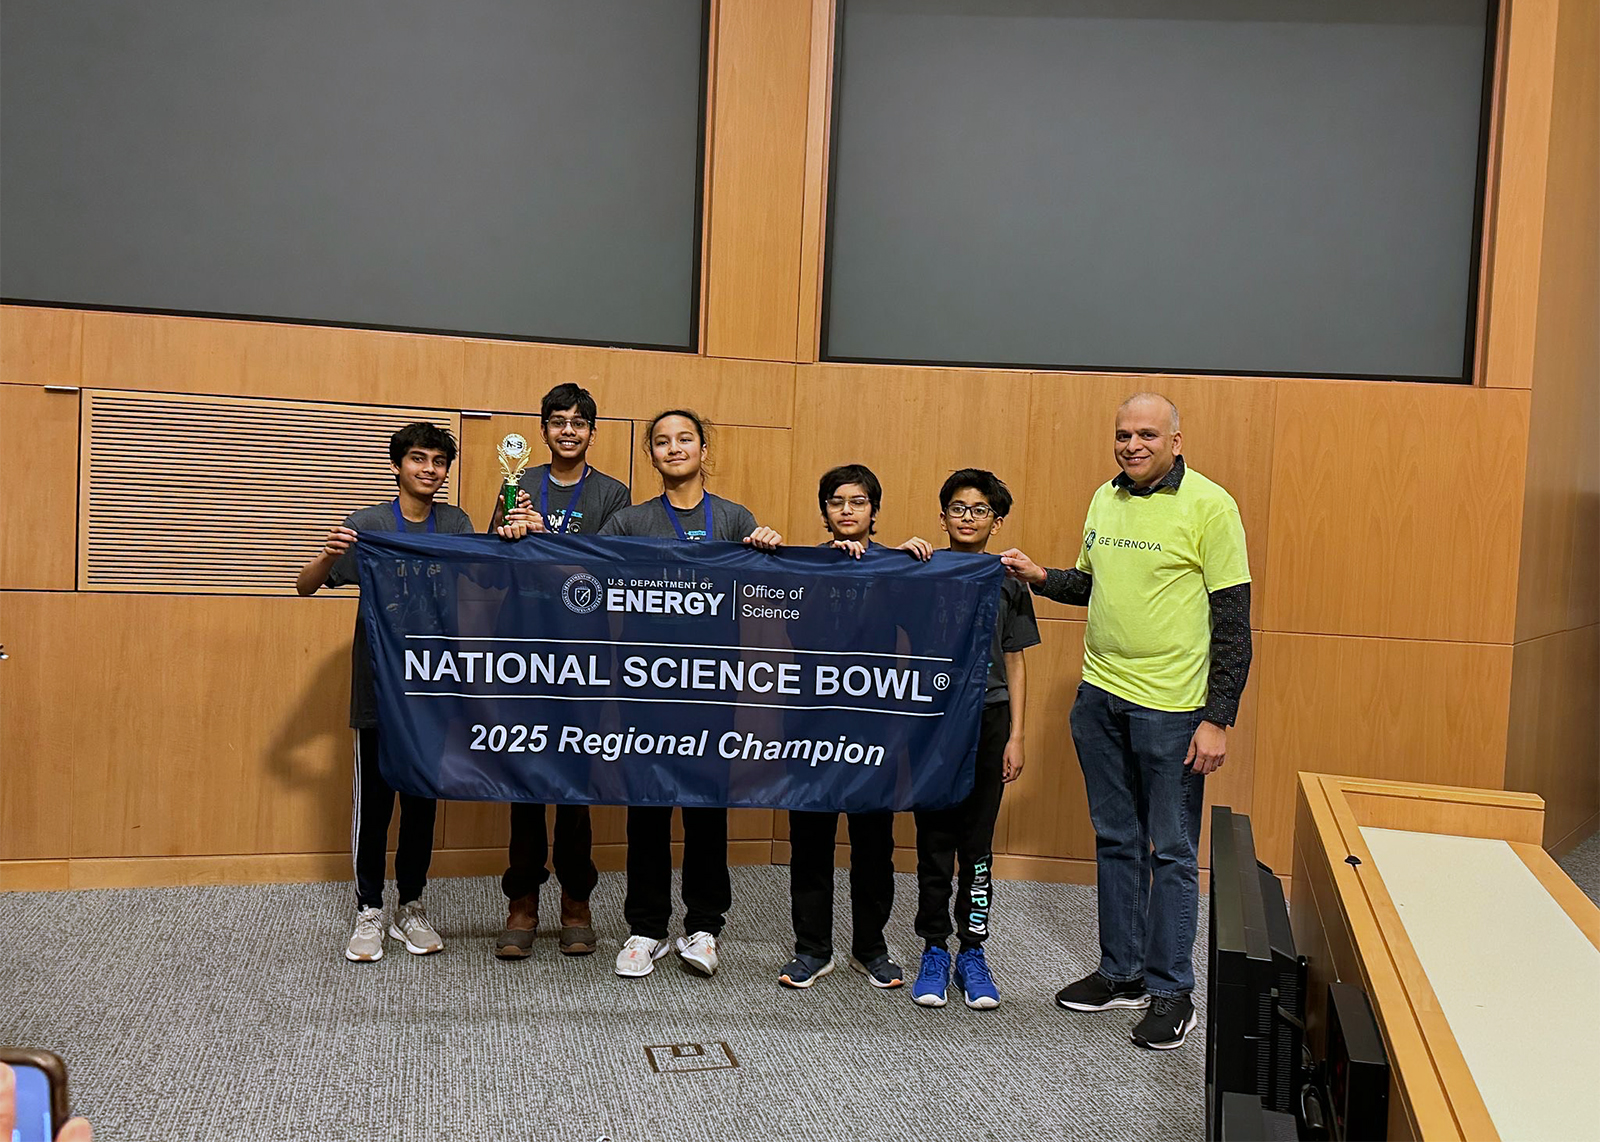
{"points": [[1145, 805]]}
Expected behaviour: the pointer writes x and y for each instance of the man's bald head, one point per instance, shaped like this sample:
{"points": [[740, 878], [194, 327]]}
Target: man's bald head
{"points": [[1148, 441], [1151, 398]]}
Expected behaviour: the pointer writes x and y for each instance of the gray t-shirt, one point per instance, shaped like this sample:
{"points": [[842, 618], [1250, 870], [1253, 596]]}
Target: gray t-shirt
{"points": [[603, 497], [729, 521], [1015, 629], [448, 520]]}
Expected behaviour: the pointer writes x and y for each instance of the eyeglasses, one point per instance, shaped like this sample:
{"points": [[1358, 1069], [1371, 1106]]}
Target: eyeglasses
{"points": [[577, 423], [975, 511], [857, 502]]}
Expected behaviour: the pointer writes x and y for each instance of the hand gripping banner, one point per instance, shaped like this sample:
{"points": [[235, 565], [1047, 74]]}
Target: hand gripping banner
{"points": [[648, 672]]}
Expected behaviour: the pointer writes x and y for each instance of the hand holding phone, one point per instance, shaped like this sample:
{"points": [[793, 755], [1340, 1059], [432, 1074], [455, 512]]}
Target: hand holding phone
{"points": [[33, 1099]]}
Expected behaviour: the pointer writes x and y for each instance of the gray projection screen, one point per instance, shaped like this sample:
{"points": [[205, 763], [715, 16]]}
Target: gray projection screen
{"points": [[1281, 187], [522, 168]]}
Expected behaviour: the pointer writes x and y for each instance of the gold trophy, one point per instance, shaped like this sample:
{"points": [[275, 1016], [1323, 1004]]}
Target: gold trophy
{"points": [[514, 457]]}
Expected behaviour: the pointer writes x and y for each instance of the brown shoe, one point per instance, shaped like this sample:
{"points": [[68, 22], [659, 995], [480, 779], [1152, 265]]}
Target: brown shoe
{"points": [[516, 938], [577, 930]]}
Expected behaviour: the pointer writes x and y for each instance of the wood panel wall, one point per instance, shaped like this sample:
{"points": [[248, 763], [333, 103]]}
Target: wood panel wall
{"points": [[1556, 660], [1425, 592]]}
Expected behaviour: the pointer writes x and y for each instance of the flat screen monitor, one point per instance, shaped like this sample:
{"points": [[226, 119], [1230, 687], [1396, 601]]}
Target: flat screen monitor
{"points": [[515, 168], [1288, 187]]}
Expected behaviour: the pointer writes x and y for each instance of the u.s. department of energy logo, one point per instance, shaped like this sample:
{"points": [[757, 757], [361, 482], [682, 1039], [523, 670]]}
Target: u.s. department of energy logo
{"points": [[581, 593]]}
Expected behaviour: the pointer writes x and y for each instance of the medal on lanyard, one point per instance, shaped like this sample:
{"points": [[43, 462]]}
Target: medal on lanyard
{"points": [[677, 525], [544, 500], [400, 521]]}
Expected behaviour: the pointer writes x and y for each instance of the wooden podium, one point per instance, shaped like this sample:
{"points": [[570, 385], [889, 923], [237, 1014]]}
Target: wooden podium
{"points": [[1477, 952]]}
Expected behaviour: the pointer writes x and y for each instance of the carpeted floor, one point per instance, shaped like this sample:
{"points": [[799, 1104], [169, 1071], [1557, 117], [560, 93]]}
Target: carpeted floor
{"points": [[1582, 864], [230, 1013]]}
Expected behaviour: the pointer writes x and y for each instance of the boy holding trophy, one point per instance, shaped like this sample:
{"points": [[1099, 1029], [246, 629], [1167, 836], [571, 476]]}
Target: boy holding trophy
{"points": [[569, 497]]}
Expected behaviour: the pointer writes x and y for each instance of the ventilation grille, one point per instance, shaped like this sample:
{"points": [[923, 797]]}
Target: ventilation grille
{"points": [[225, 495]]}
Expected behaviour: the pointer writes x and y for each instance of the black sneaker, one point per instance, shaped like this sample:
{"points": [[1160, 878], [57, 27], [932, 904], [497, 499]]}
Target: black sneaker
{"points": [[1168, 1023], [1095, 992]]}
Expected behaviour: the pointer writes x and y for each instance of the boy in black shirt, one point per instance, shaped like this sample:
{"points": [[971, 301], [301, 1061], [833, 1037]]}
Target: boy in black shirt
{"points": [[973, 505]]}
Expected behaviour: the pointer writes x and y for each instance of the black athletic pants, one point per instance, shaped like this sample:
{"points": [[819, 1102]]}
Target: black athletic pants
{"points": [[707, 888], [369, 830], [811, 839], [530, 848], [965, 831]]}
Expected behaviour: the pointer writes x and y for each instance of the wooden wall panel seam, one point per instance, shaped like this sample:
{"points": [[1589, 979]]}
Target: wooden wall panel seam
{"points": [[1555, 634], [707, 183], [1380, 637], [1491, 194], [1560, 846], [140, 352], [813, 222]]}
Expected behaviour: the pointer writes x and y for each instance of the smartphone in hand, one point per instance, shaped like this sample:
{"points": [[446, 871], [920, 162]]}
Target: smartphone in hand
{"points": [[41, 1093]]}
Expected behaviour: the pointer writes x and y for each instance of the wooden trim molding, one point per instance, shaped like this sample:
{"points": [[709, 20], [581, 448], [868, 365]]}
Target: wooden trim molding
{"points": [[814, 209], [289, 868]]}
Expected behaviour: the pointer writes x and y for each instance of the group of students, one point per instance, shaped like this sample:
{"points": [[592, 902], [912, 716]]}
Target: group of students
{"points": [[1164, 571], [567, 496]]}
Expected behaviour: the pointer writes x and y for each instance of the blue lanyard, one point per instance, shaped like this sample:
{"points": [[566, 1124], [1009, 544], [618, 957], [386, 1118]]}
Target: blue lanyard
{"points": [[677, 525], [544, 500], [400, 521]]}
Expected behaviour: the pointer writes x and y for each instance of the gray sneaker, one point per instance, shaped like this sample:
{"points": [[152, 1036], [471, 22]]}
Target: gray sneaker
{"points": [[366, 943], [411, 925]]}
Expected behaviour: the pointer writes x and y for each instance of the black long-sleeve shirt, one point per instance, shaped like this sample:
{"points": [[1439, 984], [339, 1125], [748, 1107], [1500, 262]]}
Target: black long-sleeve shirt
{"points": [[1231, 649]]}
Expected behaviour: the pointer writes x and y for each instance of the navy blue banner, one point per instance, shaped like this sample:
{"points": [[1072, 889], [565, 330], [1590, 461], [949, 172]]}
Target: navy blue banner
{"points": [[651, 672]]}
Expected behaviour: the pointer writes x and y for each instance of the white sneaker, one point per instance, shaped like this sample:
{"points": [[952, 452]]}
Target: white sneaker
{"points": [[639, 955], [699, 951], [411, 925], [366, 942]]}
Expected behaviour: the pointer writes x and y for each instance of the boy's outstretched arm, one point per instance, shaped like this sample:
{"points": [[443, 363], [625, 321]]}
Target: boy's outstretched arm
{"points": [[315, 573]]}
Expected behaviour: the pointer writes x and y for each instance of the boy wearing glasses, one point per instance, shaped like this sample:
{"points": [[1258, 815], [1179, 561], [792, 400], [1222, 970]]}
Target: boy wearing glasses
{"points": [[568, 497], [849, 497], [973, 505]]}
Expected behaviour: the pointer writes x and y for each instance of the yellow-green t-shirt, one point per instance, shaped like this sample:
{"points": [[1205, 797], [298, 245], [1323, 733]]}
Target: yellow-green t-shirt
{"points": [[1155, 558]]}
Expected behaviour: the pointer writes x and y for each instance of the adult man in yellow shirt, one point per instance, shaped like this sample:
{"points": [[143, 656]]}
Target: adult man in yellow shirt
{"points": [[1164, 573]]}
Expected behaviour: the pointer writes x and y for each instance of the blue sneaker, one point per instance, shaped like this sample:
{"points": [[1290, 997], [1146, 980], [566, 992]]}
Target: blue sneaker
{"points": [[803, 970], [933, 978], [972, 977]]}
